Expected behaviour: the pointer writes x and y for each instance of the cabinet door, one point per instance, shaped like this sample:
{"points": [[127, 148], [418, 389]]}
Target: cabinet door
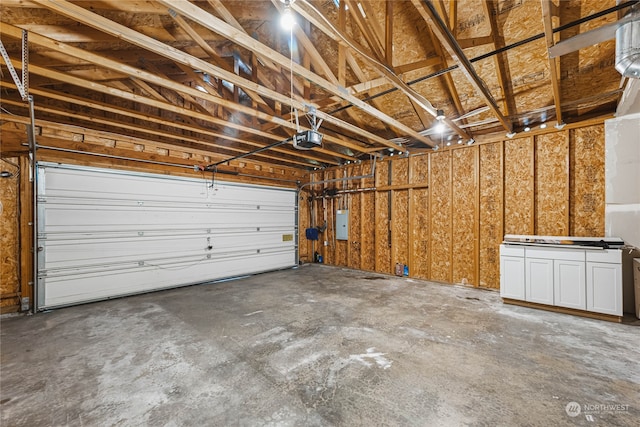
{"points": [[604, 288], [539, 280], [569, 287], [512, 277]]}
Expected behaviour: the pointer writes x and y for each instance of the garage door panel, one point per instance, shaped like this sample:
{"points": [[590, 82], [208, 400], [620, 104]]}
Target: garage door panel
{"points": [[107, 233], [132, 218], [78, 252]]}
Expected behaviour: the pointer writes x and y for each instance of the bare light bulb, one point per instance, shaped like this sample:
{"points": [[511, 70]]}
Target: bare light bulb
{"points": [[287, 20]]}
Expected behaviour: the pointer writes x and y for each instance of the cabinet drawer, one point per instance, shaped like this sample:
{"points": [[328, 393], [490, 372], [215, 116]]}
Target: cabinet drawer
{"points": [[511, 250], [555, 253], [605, 255]]}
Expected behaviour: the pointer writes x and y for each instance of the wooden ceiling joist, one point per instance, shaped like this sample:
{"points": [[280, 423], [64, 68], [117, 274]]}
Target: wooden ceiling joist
{"points": [[435, 22], [382, 69], [205, 19], [547, 8], [91, 19], [160, 121]]}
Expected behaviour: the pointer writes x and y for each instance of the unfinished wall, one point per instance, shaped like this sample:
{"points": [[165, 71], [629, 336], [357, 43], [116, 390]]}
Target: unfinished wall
{"points": [[10, 236], [444, 213]]}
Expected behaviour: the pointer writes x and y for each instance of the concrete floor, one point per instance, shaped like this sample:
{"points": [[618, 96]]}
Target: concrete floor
{"points": [[317, 346]]}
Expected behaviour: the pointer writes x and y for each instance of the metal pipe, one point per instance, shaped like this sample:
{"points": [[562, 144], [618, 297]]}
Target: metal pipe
{"points": [[212, 166], [33, 147], [349, 178]]}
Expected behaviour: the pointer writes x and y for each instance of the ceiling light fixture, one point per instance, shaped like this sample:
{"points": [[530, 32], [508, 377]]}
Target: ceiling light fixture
{"points": [[439, 127], [559, 126], [460, 141], [527, 129], [511, 134], [287, 20], [543, 126], [471, 141], [439, 115]]}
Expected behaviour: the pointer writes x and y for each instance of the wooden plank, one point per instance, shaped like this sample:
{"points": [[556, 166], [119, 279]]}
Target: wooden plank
{"points": [[587, 186], [464, 218], [419, 171], [551, 184], [368, 233], [518, 186], [419, 244], [553, 62], [10, 197], [555, 308], [400, 174], [399, 224], [441, 206], [305, 247], [383, 241], [491, 214], [355, 220]]}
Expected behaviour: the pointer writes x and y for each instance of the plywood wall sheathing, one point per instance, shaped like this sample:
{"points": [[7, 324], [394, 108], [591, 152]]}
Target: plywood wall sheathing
{"points": [[10, 237], [587, 181], [369, 218], [419, 243], [441, 210], [552, 184], [518, 186], [400, 173], [400, 224], [419, 170], [491, 219], [464, 237], [305, 247], [355, 219], [382, 231]]}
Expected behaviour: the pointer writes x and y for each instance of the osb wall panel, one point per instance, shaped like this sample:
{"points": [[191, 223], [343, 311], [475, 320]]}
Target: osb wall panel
{"points": [[419, 233], [367, 245], [419, 170], [552, 184], [383, 242], [400, 171], [490, 209], [304, 221], [464, 215], [400, 225], [9, 238], [366, 170], [355, 220], [382, 173], [587, 181], [518, 186], [440, 188]]}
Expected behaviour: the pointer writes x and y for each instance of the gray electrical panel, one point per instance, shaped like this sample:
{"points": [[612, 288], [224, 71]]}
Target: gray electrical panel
{"points": [[342, 225]]}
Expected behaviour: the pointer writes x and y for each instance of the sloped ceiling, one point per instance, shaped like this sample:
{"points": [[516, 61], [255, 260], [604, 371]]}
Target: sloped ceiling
{"points": [[223, 77]]}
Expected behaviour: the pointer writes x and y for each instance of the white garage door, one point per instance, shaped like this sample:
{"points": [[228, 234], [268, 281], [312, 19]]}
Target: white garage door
{"points": [[106, 233]]}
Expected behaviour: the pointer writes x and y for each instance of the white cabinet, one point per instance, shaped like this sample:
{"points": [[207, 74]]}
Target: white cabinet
{"points": [[512, 273], [577, 278], [539, 280], [604, 282], [569, 289]]}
